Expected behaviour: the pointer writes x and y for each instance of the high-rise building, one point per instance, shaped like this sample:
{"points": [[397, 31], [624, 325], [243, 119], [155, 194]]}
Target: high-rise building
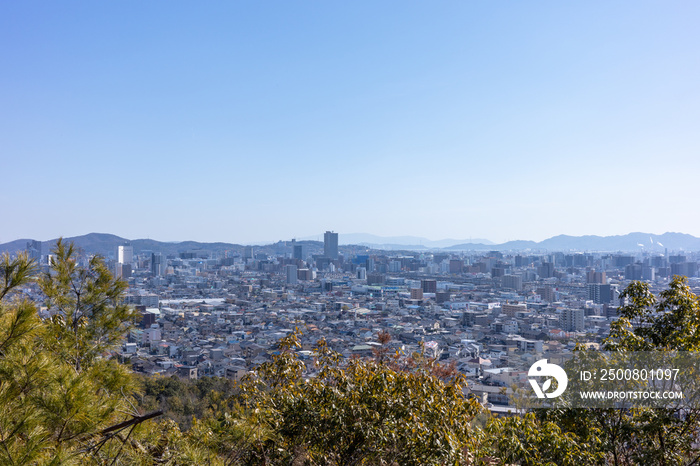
{"points": [[34, 250], [330, 245], [599, 293], [298, 252], [125, 254], [292, 278], [688, 269], [394, 266], [125, 257], [123, 270], [156, 265], [571, 320], [633, 271], [596, 277], [514, 282], [369, 264], [546, 270]]}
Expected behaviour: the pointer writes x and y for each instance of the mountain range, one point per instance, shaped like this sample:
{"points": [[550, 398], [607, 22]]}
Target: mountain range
{"points": [[106, 244], [399, 242]]}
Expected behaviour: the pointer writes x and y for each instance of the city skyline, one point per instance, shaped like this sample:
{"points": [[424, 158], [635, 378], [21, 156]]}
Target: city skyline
{"points": [[250, 122], [105, 245]]}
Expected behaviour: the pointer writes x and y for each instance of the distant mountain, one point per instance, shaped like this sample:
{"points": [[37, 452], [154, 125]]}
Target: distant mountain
{"points": [[400, 242], [510, 245], [14, 246], [106, 244], [628, 242], [92, 243]]}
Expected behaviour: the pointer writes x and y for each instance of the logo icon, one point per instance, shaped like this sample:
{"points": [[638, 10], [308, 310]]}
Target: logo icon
{"points": [[542, 368]]}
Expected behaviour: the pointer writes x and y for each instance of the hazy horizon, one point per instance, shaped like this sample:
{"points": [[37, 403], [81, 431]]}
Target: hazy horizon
{"points": [[365, 238], [249, 122]]}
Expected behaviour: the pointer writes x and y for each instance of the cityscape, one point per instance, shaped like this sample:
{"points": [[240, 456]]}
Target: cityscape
{"points": [[349, 233], [222, 312]]}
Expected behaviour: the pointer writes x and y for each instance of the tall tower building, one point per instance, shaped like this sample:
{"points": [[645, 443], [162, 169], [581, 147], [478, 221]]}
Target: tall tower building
{"points": [[297, 250], [125, 257], [599, 293], [34, 250], [156, 265], [546, 270], [330, 245], [125, 254], [292, 278]]}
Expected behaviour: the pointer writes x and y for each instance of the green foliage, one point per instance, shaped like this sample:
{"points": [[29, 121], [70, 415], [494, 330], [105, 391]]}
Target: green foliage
{"points": [[529, 441], [21, 431], [649, 324], [56, 393], [356, 412], [183, 399], [646, 436], [88, 315]]}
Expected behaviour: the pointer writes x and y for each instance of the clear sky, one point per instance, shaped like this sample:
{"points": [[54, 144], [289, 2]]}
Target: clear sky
{"points": [[245, 121]]}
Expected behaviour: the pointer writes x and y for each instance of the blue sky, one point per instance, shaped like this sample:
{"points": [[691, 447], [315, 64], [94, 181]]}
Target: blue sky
{"points": [[254, 121]]}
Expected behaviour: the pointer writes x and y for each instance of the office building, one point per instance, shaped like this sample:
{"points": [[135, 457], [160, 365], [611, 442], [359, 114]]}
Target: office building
{"points": [[34, 250], [125, 257], [292, 277], [298, 252], [633, 271], [546, 270], [125, 254], [330, 245], [156, 265]]}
